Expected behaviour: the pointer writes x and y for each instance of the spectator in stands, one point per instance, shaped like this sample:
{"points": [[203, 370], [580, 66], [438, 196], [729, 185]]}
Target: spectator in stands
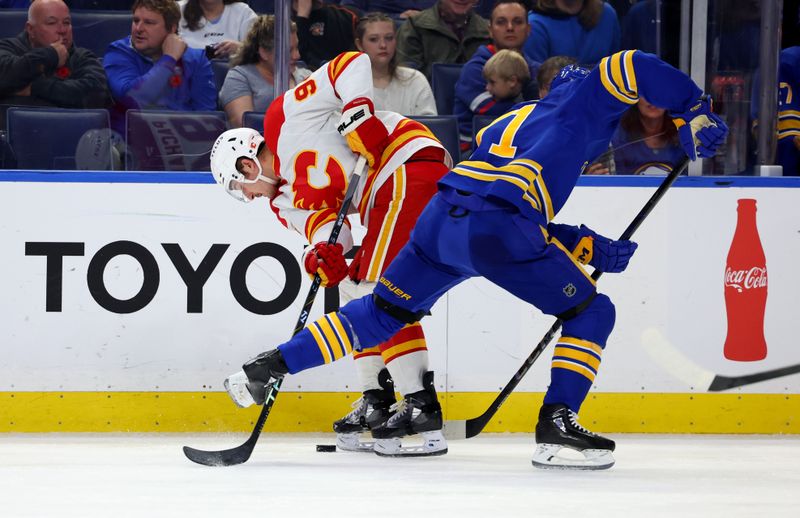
{"points": [[250, 84], [154, 69], [217, 25], [42, 67], [398, 89], [587, 30], [397, 10], [508, 28], [324, 31], [645, 142], [549, 69], [448, 32], [506, 74], [639, 26]]}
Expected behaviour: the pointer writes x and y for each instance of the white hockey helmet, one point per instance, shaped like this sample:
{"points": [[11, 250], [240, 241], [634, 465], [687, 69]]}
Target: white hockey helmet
{"points": [[227, 150]]}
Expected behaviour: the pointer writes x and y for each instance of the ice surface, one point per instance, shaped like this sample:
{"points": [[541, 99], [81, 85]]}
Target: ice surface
{"points": [[86, 475]]}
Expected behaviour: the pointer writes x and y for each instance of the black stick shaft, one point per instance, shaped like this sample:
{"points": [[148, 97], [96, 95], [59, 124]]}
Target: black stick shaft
{"points": [[241, 453], [475, 425], [272, 394]]}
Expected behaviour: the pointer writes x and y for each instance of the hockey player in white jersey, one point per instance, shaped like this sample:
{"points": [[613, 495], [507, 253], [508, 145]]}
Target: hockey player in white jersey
{"points": [[313, 135]]}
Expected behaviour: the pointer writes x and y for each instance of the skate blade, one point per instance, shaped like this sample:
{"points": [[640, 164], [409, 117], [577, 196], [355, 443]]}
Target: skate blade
{"points": [[556, 456], [353, 442], [434, 444]]}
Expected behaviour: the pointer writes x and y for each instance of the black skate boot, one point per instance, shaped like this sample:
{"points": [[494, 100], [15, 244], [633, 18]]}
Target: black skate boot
{"points": [[373, 409], [558, 429], [249, 386], [418, 413]]}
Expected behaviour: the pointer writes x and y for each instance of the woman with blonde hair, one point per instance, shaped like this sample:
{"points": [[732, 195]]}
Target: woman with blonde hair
{"points": [[395, 88], [250, 84]]}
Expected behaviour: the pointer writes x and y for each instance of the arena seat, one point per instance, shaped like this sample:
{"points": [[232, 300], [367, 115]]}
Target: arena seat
{"points": [[263, 6], [478, 123], [60, 138], [12, 22], [253, 120], [445, 127], [444, 77], [94, 30], [220, 69], [164, 140]]}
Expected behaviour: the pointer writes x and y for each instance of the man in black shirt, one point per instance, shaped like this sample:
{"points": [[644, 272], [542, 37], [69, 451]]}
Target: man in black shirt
{"points": [[42, 67], [324, 31]]}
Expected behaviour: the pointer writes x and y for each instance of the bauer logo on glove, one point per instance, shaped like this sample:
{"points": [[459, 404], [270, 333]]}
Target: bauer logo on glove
{"points": [[364, 132]]}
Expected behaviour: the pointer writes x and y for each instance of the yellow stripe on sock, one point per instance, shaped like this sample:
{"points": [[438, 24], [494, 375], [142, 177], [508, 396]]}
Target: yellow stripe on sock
{"points": [[580, 369], [323, 348]]}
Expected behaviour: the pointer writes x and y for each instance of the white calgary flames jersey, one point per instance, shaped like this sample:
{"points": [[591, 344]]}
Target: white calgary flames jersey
{"points": [[314, 161]]}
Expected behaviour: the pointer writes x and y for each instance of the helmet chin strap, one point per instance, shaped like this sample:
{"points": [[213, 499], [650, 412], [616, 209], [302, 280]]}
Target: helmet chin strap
{"points": [[271, 181]]}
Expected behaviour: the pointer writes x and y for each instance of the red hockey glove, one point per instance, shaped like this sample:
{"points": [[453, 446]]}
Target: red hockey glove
{"points": [[700, 131], [606, 255], [327, 261], [365, 133], [355, 266]]}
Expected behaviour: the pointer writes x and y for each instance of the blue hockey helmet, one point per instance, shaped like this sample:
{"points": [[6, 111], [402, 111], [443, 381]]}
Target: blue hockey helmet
{"points": [[567, 74]]}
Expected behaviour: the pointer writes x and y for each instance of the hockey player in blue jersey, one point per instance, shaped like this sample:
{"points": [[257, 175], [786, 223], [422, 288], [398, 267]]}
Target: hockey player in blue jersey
{"points": [[492, 217]]}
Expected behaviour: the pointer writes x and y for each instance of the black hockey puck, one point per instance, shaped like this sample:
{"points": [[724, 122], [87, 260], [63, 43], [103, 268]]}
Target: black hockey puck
{"points": [[326, 448]]}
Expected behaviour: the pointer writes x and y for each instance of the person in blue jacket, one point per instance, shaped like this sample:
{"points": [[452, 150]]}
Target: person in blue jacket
{"points": [[586, 30], [493, 217], [154, 69], [508, 27]]}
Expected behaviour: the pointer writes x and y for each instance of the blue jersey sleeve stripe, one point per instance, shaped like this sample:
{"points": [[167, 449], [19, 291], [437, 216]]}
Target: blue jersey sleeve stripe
{"points": [[630, 74], [611, 77]]}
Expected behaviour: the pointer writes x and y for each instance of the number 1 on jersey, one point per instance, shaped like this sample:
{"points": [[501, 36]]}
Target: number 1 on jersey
{"points": [[505, 148]]}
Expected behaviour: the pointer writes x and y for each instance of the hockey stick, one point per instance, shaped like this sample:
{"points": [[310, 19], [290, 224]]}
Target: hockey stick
{"points": [[241, 453], [683, 368], [464, 429]]}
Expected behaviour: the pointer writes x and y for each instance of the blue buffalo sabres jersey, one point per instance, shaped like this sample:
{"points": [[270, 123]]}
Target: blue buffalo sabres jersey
{"points": [[532, 156]]}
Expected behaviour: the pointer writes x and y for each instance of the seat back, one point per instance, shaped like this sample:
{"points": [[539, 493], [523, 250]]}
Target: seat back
{"points": [[220, 69], [478, 123], [444, 77], [445, 127], [253, 120], [163, 140], [12, 22], [60, 138], [263, 6], [94, 30]]}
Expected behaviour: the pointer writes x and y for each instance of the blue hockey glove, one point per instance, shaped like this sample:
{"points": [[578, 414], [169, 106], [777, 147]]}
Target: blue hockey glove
{"points": [[606, 255], [700, 131]]}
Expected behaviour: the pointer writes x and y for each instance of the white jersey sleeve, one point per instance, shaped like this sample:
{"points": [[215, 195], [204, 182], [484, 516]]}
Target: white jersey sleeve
{"points": [[314, 161]]}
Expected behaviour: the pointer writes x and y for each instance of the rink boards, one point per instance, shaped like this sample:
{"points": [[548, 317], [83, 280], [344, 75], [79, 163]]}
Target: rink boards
{"points": [[128, 297]]}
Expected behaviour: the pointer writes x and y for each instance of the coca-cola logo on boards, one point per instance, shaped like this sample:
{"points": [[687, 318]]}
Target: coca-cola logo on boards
{"points": [[753, 278]]}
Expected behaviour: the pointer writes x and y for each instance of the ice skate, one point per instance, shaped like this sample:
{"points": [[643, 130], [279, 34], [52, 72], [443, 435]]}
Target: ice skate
{"points": [[369, 411], [418, 413], [249, 386], [562, 443]]}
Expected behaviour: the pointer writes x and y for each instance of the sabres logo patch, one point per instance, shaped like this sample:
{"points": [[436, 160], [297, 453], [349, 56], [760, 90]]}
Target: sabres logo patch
{"points": [[570, 290]]}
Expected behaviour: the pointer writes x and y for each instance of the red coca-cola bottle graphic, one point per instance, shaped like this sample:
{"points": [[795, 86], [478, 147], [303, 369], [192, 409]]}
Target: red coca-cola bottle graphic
{"points": [[746, 289]]}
